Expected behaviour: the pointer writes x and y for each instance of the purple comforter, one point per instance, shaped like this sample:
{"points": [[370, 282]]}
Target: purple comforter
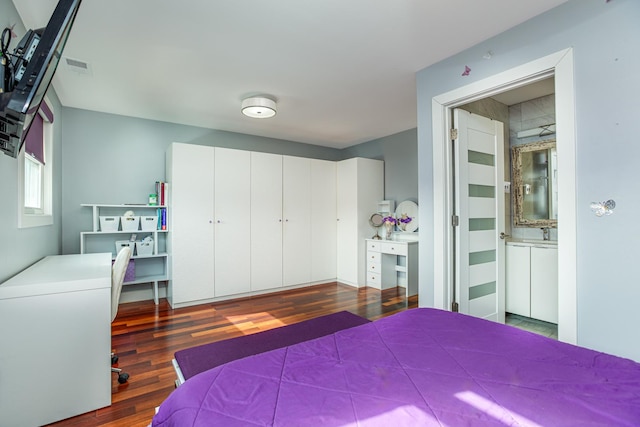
{"points": [[421, 367]]}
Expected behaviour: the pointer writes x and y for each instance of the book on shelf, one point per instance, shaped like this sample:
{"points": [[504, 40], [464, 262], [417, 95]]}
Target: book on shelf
{"points": [[162, 218], [162, 191]]}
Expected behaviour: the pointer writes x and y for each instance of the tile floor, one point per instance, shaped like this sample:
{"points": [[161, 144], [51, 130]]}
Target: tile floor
{"points": [[532, 325]]}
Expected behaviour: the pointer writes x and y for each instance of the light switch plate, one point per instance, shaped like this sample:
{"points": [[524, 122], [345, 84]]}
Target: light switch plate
{"points": [[507, 187]]}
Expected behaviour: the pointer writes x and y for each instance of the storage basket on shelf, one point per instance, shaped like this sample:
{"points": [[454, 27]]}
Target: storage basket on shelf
{"points": [[125, 243], [130, 223], [109, 223], [148, 222], [145, 247]]}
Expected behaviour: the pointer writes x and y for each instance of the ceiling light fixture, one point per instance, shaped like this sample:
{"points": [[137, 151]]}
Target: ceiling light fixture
{"points": [[259, 107]]}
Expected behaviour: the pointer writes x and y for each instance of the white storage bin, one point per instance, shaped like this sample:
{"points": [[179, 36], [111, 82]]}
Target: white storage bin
{"points": [[124, 243], [109, 223], [149, 223], [130, 223], [144, 248]]}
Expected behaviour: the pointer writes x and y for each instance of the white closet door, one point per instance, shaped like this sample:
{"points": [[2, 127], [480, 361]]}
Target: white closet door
{"points": [[296, 205], [232, 221], [190, 172], [370, 191], [266, 221], [347, 207], [323, 220]]}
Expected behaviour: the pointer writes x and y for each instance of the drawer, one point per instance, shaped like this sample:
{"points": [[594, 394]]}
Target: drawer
{"points": [[393, 248], [374, 279], [373, 257], [373, 246], [374, 267]]}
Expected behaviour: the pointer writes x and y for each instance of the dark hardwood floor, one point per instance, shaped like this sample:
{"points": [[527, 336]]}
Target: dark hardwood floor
{"points": [[145, 337]]}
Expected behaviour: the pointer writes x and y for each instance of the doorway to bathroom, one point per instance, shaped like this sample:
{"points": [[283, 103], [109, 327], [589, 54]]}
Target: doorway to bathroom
{"points": [[559, 66]]}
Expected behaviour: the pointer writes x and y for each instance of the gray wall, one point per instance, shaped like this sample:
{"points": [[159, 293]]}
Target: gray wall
{"points": [[605, 37], [20, 248], [399, 152]]}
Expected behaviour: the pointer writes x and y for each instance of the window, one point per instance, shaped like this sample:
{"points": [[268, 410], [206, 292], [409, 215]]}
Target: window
{"points": [[35, 172], [33, 180]]}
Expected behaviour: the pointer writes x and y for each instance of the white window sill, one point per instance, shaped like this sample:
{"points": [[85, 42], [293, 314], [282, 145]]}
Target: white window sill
{"points": [[27, 221]]}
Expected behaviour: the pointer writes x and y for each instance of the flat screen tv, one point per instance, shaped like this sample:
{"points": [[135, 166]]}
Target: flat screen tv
{"points": [[28, 73]]}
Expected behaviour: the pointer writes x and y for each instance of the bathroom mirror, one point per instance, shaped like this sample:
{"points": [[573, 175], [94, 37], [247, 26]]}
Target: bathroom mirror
{"points": [[535, 184]]}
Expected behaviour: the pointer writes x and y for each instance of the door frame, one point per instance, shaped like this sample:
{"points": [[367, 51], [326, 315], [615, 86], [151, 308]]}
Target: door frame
{"points": [[560, 65]]}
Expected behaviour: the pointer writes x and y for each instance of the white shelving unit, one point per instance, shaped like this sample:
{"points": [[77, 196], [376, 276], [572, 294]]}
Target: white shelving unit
{"points": [[149, 268]]}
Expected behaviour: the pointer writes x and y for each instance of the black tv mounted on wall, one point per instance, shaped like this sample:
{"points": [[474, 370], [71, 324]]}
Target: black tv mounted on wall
{"points": [[26, 74]]}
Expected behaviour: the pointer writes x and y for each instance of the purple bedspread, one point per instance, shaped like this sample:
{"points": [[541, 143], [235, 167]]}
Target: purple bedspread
{"points": [[198, 359], [421, 367]]}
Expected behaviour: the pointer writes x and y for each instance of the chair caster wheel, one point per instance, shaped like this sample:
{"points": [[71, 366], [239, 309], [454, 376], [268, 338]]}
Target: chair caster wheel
{"points": [[123, 377], [114, 359]]}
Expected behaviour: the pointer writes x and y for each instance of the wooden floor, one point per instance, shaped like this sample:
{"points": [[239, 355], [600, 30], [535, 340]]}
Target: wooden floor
{"points": [[145, 337]]}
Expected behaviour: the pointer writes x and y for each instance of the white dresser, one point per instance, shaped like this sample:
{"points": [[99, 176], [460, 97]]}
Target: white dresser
{"points": [[392, 263]]}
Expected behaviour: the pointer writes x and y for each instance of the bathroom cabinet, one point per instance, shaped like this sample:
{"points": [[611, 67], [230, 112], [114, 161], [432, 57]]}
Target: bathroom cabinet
{"points": [[532, 280]]}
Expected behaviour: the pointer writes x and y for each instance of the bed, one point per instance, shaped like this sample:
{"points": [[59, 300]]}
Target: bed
{"points": [[419, 367], [192, 361]]}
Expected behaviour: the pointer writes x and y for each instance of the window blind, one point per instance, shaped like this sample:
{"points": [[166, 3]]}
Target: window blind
{"points": [[34, 142]]}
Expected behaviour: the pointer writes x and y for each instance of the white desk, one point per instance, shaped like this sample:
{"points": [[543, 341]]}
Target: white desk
{"points": [[55, 340], [392, 263]]}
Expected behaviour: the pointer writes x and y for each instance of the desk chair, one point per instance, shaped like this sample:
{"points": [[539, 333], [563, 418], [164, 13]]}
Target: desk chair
{"points": [[117, 278]]}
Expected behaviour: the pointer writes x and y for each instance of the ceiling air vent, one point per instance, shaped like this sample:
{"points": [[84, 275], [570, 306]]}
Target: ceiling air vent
{"points": [[77, 65]]}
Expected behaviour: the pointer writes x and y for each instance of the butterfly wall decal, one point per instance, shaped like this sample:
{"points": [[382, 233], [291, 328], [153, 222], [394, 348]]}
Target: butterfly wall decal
{"points": [[467, 70]]}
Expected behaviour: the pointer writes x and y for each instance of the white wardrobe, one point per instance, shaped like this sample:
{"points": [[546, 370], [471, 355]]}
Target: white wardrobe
{"points": [[246, 222], [360, 189]]}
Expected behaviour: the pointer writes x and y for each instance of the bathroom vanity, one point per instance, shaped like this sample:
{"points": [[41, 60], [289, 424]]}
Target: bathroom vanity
{"points": [[532, 279]]}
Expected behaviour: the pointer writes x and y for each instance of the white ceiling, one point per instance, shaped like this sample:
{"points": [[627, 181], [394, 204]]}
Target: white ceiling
{"points": [[341, 71]]}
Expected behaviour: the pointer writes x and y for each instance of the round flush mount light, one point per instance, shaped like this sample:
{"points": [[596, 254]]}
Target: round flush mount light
{"points": [[259, 107]]}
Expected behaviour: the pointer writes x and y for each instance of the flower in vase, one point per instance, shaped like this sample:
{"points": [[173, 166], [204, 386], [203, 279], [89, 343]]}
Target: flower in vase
{"points": [[389, 223], [403, 221], [389, 220]]}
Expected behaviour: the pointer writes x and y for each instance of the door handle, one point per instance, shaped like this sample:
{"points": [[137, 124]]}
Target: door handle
{"points": [[504, 236]]}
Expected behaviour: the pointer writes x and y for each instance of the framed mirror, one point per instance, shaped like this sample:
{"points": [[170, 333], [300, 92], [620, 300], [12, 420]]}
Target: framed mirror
{"points": [[535, 184]]}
